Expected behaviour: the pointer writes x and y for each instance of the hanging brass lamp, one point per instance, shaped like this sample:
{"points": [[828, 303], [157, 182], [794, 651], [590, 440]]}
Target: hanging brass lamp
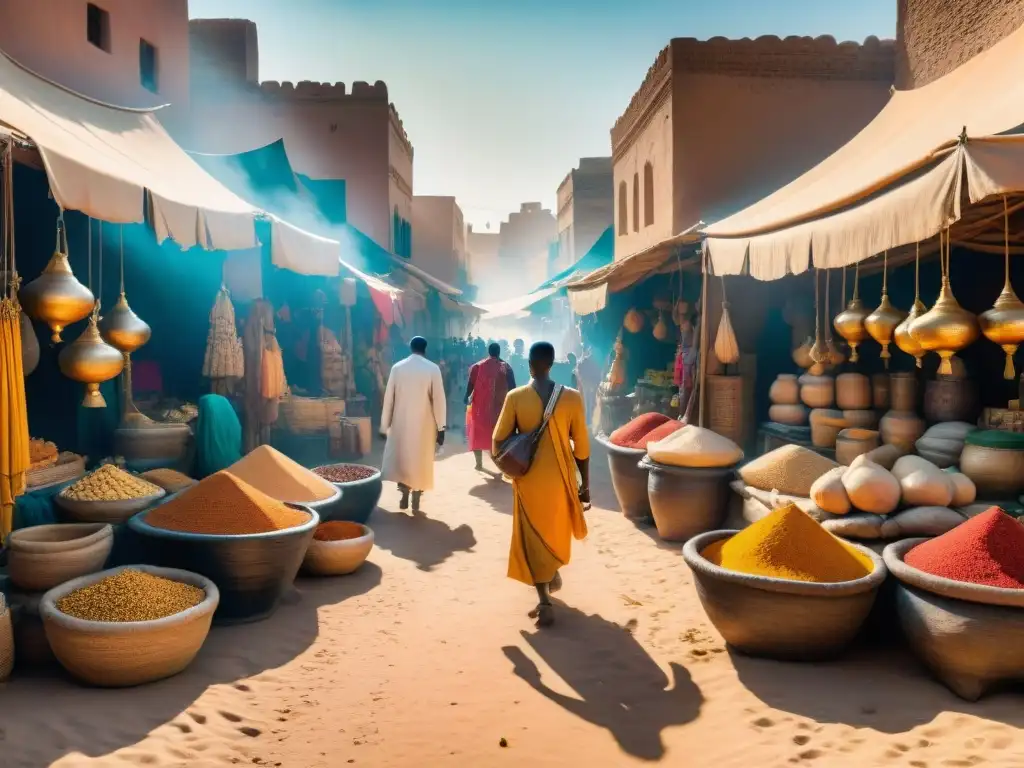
{"points": [[947, 327], [1004, 323], [819, 351], [121, 327], [90, 360], [881, 324], [902, 335], [56, 297], [850, 322]]}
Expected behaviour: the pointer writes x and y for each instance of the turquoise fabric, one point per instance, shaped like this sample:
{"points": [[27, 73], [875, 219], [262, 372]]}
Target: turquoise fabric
{"points": [[218, 435]]}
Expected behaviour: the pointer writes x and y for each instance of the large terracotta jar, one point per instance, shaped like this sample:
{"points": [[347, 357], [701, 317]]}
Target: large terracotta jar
{"points": [[852, 443], [825, 427], [785, 390], [817, 391], [880, 391], [790, 415], [903, 391], [853, 391], [902, 429], [950, 398]]}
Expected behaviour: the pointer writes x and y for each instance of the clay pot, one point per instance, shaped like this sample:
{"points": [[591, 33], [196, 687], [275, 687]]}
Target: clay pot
{"points": [[998, 473], [853, 391], [785, 390], [902, 429], [880, 389], [950, 399], [825, 427], [861, 419], [903, 391], [851, 443], [817, 391], [687, 501], [629, 481], [791, 415], [802, 355]]}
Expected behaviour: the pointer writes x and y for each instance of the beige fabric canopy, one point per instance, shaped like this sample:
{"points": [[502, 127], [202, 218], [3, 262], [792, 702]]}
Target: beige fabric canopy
{"points": [[897, 181]]}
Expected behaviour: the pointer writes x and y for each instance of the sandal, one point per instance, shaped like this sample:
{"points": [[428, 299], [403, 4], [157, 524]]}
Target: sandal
{"points": [[545, 615], [555, 585]]}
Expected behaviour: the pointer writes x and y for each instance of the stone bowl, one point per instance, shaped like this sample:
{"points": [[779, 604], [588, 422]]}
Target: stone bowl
{"points": [[356, 501]]}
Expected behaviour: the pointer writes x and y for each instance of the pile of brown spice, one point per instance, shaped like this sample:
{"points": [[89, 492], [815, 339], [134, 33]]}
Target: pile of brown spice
{"points": [[279, 477], [131, 595], [338, 530], [344, 473], [225, 505]]}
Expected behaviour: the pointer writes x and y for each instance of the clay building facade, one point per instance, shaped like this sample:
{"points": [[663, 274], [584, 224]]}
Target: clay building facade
{"points": [[718, 124], [439, 239], [586, 208], [330, 131], [525, 245], [124, 52], [482, 256]]}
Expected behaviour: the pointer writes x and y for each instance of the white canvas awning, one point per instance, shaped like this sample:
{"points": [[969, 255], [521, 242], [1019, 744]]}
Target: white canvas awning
{"points": [[896, 182], [102, 160]]}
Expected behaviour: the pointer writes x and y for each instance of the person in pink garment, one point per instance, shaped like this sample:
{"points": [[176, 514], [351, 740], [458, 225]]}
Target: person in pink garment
{"points": [[489, 381]]}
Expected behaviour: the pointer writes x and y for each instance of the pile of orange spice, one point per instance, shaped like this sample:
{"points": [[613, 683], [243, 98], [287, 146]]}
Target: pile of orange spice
{"points": [[278, 476], [338, 530], [223, 504]]}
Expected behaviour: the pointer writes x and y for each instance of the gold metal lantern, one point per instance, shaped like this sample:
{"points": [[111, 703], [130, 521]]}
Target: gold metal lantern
{"points": [[902, 337], [90, 360], [1004, 323], [850, 322], [56, 297], [882, 323], [947, 327]]}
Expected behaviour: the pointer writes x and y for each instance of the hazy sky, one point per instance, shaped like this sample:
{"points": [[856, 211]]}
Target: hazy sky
{"points": [[501, 97]]}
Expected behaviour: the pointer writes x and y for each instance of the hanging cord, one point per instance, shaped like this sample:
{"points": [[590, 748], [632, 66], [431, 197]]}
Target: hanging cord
{"points": [[917, 272], [10, 287], [828, 322], [885, 273], [121, 232], [844, 286], [88, 255], [99, 284], [1006, 243], [856, 281]]}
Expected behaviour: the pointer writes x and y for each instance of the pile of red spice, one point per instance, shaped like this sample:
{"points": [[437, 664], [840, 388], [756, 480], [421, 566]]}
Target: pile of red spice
{"points": [[338, 530], [660, 433], [632, 434], [987, 549]]}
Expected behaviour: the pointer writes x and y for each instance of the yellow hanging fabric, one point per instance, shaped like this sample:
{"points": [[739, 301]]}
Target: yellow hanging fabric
{"points": [[272, 381], [14, 441]]}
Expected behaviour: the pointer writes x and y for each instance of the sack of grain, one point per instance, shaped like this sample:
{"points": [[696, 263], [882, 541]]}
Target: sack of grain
{"points": [[921, 521], [857, 525], [908, 465], [872, 489], [964, 490], [927, 488], [694, 446], [774, 500], [884, 456], [829, 493], [790, 470]]}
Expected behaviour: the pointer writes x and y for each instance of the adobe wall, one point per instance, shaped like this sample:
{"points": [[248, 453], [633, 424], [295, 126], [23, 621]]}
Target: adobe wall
{"points": [[936, 36], [435, 247]]}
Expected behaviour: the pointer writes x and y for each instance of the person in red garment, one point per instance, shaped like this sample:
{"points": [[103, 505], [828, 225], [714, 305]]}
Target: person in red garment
{"points": [[489, 381]]}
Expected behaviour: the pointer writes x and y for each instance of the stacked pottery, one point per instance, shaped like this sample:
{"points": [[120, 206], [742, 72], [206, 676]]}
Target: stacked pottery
{"points": [[818, 393], [901, 426], [785, 397], [854, 398], [950, 398], [880, 391]]}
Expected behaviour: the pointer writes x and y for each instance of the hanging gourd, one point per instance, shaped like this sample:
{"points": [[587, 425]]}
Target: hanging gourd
{"points": [[947, 327], [727, 349], [89, 359], [835, 355], [819, 352], [633, 322], [850, 322], [1004, 323], [56, 297], [902, 336], [882, 323], [661, 327]]}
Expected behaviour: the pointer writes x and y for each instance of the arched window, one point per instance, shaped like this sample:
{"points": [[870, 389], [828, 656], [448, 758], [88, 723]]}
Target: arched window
{"points": [[623, 209], [648, 194], [636, 202]]}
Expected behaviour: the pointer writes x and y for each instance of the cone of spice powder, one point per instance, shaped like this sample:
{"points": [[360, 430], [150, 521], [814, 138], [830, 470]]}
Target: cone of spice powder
{"points": [[789, 544], [279, 477], [661, 432], [988, 549], [631, 434]]}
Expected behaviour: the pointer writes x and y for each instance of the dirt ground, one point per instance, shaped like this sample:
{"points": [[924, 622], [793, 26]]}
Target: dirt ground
{"points": [[425, 657]]}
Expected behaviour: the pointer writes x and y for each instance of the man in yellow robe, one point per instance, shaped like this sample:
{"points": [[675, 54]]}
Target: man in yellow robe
{"points": [[550, 498]]}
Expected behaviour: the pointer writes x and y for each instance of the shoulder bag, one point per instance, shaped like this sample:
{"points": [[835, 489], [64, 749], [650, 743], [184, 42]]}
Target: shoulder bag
{"points": [[515, 455]]}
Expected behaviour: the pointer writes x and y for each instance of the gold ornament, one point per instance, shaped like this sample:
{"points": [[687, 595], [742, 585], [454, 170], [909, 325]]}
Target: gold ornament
{"points": [[947, 327], [123, 329], [56, 297], [850, 322], [90, 360], [1004, 323], [882, 323], [819, 352], [902, 335]]}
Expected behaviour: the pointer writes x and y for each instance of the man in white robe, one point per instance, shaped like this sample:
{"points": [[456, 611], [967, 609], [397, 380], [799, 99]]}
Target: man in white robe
{"points": [[413, 420]]}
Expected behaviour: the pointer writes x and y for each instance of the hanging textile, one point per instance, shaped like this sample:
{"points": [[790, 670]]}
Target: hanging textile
{"points": [[14, 441], [260, 412], [224, 363]]}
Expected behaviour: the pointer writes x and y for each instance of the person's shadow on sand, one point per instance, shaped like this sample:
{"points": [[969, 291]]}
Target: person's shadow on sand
{"points": [[420, 538], [620, 687]]}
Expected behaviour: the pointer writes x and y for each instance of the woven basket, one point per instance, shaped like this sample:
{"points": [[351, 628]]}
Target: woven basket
{"points": [[726, 413], [69, 466], [311, 415], [337, 558], [6, 641], [119, 654], [106, 511], [43, 556]]}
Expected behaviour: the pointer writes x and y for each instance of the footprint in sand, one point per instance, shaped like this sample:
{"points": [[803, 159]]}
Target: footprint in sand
{"points": [[763, 722], [801, 740], [231, 717], [810, 754], [918, 764], [242, 687], [182, 727], [252, 733], [197, 718]]}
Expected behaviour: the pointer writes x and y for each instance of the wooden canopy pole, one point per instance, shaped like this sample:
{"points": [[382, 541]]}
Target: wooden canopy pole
{"points": [[703, 333]]}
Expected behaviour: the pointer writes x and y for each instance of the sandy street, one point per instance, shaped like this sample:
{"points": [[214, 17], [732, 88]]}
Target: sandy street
{"points": [[426, 658]]}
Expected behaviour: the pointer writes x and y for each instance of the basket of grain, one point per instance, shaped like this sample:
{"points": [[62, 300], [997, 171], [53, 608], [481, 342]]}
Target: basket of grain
{"points": [[69, 466], [108, 495], [960, 602], [267, 469], [338, 547], [784, 587], [43, 556], [248, 543], [360, 487], [129, 625], [6, 640]]}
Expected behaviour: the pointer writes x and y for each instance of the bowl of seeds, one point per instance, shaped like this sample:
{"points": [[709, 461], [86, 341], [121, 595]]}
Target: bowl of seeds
{"points": [[107, 495], [338, 548], [129, 625], [360, 487]]}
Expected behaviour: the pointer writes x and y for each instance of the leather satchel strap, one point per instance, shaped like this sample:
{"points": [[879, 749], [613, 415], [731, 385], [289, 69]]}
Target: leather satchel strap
{"points": [[550, 409]]}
